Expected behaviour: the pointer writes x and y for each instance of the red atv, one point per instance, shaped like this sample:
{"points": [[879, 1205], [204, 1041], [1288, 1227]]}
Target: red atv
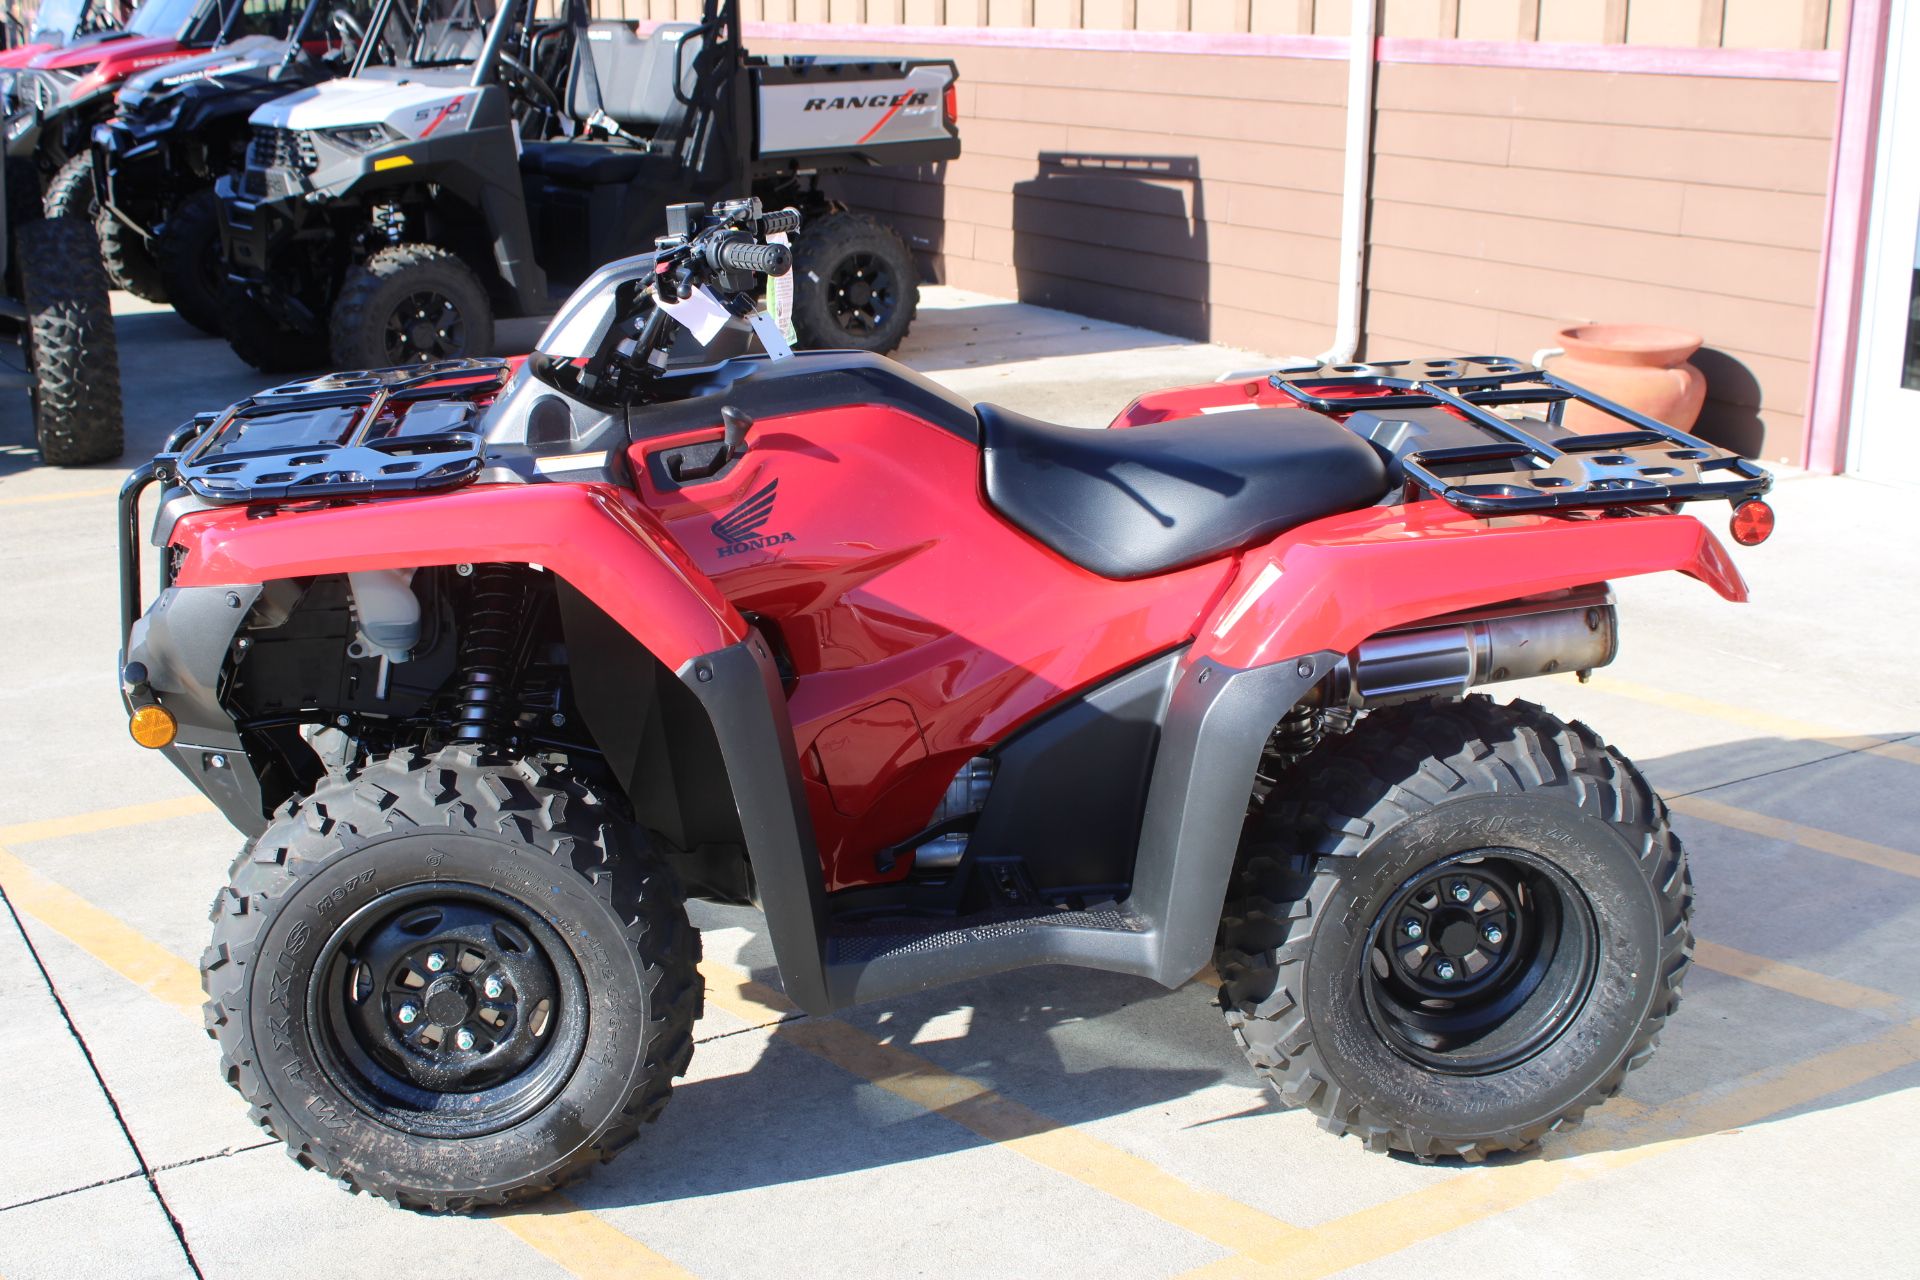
{"points": [[494, 664]]}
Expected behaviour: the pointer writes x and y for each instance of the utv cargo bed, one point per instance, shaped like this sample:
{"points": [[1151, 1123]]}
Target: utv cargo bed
{"points": [[838, 112]]}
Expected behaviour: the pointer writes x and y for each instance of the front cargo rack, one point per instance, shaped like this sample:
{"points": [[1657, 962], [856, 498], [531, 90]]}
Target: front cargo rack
{"points": [[383, 431], [1526, 463]]}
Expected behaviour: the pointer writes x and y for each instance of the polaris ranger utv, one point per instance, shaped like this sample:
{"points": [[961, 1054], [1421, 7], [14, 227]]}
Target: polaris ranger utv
{"points": [[491, 664], [56, 101], [386, 219], [178, 129]]}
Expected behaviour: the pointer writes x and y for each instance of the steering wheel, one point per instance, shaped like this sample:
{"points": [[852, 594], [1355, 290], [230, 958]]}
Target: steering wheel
{"points": [[529, 82], [352, 34]]}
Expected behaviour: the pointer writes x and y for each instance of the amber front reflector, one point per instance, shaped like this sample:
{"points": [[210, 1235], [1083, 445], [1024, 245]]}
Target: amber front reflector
{"points": [[152, 726], [1752, 523]]}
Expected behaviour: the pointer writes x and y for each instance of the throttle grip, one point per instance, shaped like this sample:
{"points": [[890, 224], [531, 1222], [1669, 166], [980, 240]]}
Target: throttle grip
{"points": [[779, 220], [744, 255]]}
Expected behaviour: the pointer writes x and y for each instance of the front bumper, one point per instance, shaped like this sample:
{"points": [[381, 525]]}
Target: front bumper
{"points": [[132, 174]]}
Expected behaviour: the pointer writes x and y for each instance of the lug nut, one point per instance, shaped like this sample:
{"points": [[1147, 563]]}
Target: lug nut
{"points": [[1413, 930], [435, 961], [407, 1013], [1493, 935], [493, 987], [464, 1039], [1461, 893], [1444, 971]]}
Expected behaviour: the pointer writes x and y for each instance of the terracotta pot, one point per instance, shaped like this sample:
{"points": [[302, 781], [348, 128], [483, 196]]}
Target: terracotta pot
{"points": [[1642, 366]]}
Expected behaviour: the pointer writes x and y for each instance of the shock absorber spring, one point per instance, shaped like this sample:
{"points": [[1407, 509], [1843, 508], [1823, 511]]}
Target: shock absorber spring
{"points": [[489, 653]]}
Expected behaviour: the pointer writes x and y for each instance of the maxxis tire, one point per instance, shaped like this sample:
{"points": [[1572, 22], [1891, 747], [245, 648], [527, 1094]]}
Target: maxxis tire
{"points": [[820, 249], [181, 252], [70, 194], [129, 261], [1358, 818], [261, 340], [373, 289], [72, 350], [411, 820]]}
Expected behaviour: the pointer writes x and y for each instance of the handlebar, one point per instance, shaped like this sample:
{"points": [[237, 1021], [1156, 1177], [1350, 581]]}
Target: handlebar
{"points": [[745, 255]]}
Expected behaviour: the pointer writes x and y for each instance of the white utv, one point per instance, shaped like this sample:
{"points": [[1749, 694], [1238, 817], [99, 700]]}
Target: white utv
{"points": [[387, 217]]}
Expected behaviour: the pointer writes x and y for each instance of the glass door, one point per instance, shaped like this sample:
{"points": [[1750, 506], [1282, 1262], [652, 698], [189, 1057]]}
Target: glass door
{"points": [[1884, 442]]}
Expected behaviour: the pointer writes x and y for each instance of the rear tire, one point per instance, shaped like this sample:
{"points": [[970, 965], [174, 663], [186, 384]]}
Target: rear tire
{"points": [[191, 265], [71, 193], [410, 304], [323, 994], [261, 340], [72, 351], [856, 285], [128, 258], [1552, 906]]}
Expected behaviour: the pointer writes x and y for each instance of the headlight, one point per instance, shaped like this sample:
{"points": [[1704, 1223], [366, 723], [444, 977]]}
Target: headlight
{"points": [[362, 137]]}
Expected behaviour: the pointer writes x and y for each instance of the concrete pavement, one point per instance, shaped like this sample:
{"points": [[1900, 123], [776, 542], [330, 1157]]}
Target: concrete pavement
{"points": [[1045, 1122]]}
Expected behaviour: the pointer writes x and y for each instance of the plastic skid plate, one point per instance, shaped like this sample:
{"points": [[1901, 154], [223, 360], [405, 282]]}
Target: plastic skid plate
{"points": [[381, 431], [1527, 463]]}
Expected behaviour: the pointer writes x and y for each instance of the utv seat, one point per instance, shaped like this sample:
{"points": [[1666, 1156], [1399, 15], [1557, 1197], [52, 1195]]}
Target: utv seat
{"points": [[1143, 500], [633, 75], [585, 164]]}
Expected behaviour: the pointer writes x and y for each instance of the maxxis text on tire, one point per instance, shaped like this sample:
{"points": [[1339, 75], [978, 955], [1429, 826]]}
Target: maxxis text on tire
{"points": [[127, 258], [187, 254], [409, 825], [70, 193], [368, 331], [71, 348], [1453, 789], [261, 340], [845, 251]]}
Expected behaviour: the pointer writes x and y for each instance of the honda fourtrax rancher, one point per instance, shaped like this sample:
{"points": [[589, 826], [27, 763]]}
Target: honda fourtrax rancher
{"points": [[54, 103], [388, 217], [492, 662], [180, 127]]}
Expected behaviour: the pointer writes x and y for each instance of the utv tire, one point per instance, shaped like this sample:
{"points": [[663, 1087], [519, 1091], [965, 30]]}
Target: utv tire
{"points": [[410, 304], [1406, 850], [856, 285], [72, 351], [261, 340], [359, 931], [71, 193], [192, 268], [128, 259]]}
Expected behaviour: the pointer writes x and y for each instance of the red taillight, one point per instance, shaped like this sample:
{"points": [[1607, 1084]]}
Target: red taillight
{"points": [[1752, 523], [953, 104]]}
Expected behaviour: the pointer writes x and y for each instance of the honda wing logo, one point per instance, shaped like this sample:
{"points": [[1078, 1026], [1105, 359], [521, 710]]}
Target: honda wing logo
{"points": [[741, 528]]}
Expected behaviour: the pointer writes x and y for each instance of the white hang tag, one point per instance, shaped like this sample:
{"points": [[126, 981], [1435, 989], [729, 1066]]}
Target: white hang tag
{"points": [[702, 313], [768, 331], [780, 292]]}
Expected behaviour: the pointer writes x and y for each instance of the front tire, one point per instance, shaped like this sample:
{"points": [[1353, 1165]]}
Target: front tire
{"points": [[71, 347], [71, 193], [452, 983], [410, 304], [1456, 929], [128, 259], [261, 340], [855, 285], [192, 268]]}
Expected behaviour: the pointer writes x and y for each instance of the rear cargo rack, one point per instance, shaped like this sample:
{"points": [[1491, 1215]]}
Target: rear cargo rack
{"points": [[1528, 463], [345, 435]]}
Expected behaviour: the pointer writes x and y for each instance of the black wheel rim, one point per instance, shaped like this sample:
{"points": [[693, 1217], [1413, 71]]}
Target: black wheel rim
{"points": [[1480, 961], [448, 1010], [861, 294], [425, 326]]}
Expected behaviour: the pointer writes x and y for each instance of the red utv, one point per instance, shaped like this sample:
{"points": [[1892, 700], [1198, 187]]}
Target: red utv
{"points": [[58, 23], [494, 663]]}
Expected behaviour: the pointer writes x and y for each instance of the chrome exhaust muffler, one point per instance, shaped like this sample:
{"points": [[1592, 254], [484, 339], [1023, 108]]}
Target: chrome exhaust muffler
{"points": [[1445, 658]]}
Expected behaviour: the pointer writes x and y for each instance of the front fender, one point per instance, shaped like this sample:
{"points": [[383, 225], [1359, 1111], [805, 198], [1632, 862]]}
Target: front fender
{"points": [[596, 537], [1328, 585]]}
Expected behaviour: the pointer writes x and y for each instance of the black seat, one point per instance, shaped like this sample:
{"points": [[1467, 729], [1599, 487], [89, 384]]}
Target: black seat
{"points": [[586, 164], [1144, 500]]}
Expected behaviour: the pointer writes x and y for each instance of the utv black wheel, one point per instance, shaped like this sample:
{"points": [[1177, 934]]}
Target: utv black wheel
{"points": [[452, 983], [855, 285], [192, 268], [71, 348], [1456, 929], [410, 304], [128, 259], [71, 193], [259, 338]]}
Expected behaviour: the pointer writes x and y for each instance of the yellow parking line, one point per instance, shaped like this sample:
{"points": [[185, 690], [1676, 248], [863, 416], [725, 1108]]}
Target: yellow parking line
{"points": [[1759, 824], [1791, 979], [1385, 1229], [1000, 1120], [36, 498], [586, 1245], [132, 815], [1753, 718]]}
